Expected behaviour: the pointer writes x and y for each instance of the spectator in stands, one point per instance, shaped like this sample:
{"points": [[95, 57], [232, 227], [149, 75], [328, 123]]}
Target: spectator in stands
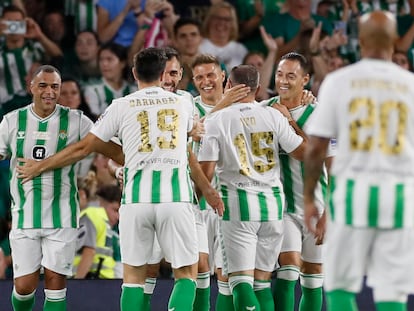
{"points": [[18, 3], [71, 96], [19, 52], [113, 84], [195, 9], [401, 59], [187, 39], [251, 14], [53, 25], [220, 32], [117, 20], [84, 64], [287, 27], [265, 65], [83, 13]]}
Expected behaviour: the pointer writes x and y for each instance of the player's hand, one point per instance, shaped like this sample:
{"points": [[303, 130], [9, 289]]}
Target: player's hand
{"points": [[213, 199], [320, 229], [27, 169], [283, 110], [198, 129], [313, 221], [232, 95], [307, 97], [33, 30]]}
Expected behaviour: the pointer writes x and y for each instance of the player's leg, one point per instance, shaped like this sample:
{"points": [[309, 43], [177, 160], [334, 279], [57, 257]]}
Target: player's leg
{"points": [[224, 299], [202, 299], [343, 247], [311, 277], [177, 235], [27, 256], [269, 243], [391, 275], [58, 249], [289, 265], [136, 237], [239, 258], [311, 280], [150, 282], [132, 296]]}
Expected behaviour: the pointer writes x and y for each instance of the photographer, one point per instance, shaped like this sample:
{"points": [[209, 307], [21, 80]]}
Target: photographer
{"points": [[24, 44]]}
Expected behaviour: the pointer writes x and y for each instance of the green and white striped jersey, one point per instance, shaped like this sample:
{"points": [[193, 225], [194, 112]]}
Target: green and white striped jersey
{"points": [[84, 13], [203, 110], [14, 66], [292, 170], [372, 117], [100, 95], [49, 200], [244, 140], [152, 125]]}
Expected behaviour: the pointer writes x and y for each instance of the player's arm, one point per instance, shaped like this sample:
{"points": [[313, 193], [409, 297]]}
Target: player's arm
{"points": [[203, 184], [28, 169], [315, 156]]}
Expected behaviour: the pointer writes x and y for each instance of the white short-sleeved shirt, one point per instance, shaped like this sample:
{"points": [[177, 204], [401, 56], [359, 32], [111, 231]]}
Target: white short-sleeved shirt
{"points": [[371, 115], [152, 125], [49, 200], [244, 140]]}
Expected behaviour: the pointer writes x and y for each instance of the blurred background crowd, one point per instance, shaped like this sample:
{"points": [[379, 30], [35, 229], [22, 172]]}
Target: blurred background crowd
{"points": [[92, 42]]}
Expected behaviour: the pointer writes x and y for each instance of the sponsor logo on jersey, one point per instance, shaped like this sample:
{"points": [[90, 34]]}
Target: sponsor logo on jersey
{"points": [[39, 152], [41, 135]]}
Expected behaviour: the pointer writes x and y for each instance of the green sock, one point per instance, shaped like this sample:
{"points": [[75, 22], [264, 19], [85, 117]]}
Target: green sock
{"points": [[22, 302], [284, 295], [147, 302], [132, 297], [183, 295], [340, 300], [391, 306], [264, 296], [55, 300], [244, 297], [202, 299], [311, 299], [53, 305], [224, 301], [148, 291]]}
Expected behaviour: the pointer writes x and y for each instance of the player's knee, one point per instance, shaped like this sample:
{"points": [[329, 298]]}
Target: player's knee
{"points": [[203, 265]]}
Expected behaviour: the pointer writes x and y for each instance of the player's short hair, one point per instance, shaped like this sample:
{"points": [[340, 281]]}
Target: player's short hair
{"points": [[203, 59], [45, 68], [149, 64], [171, 53], [303, 62], [245, 74]]}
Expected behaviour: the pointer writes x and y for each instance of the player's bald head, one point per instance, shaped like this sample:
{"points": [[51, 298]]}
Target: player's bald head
{"points": [[377, 30]]}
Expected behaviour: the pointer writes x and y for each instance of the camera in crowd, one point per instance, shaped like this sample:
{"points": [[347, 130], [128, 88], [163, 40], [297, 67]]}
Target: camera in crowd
{"points": [[15, 27]]}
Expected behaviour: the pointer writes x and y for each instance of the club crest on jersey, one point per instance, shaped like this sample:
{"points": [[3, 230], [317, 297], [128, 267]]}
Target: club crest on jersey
{"points": [[63, 134], [39, 152]]}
